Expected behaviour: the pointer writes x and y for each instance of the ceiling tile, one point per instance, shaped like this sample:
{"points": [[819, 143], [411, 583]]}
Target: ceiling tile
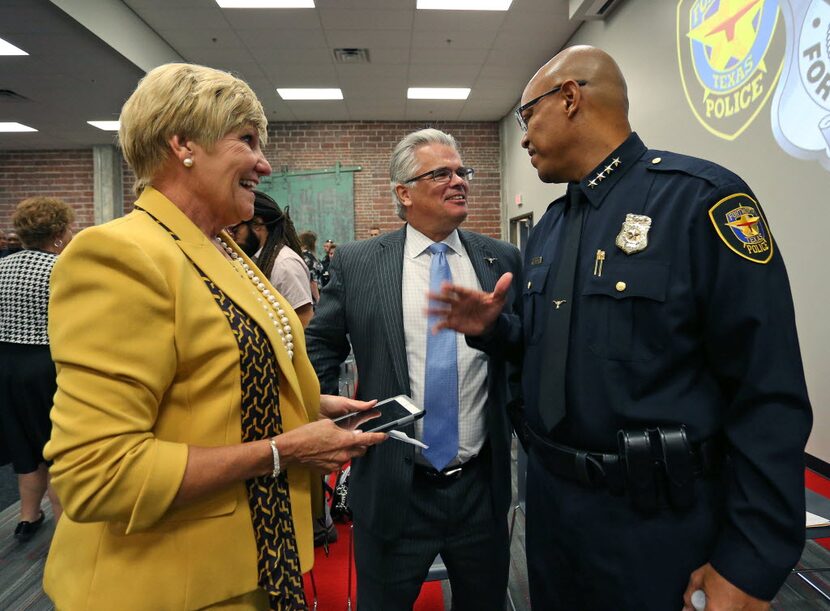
{"points": [[447, 56], [357, 19], [70, 72], [449, 40], [367, 39]]}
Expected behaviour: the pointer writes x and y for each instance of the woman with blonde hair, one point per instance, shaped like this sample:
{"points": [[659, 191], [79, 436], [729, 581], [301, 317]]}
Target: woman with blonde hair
{"points": [[186, 433], [27, 374]]}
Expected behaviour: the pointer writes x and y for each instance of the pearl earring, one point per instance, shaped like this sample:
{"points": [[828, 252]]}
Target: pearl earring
{"points": [[188, 162]]}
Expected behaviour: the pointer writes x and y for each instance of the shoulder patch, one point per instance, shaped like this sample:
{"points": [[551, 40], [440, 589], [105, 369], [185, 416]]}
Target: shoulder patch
{"points": [[741, 225]]}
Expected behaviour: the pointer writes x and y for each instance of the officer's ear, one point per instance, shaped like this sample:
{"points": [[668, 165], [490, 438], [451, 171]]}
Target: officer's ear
{"points": [[572, 95]]}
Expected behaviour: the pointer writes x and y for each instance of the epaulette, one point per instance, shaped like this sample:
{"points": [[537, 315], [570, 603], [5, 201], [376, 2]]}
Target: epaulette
{"points": [[666, 161]]}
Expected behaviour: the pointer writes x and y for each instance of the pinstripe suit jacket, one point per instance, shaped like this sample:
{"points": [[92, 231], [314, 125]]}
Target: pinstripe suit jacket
{"points": [[362, 303]]}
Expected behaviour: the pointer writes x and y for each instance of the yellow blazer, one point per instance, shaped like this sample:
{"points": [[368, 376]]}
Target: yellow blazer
{"points": [[147, 365]]}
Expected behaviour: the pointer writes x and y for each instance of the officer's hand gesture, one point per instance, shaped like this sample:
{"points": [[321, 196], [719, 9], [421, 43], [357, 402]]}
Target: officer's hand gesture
{"points": [[720, 594], [466, 310]]}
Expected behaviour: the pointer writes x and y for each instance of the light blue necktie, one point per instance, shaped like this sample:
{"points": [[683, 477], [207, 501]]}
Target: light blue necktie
{"points": [[441, 378]]}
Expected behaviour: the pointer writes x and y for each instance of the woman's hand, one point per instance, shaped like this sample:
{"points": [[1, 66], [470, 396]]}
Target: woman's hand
{"points": [[332, 406], [323, 445]]}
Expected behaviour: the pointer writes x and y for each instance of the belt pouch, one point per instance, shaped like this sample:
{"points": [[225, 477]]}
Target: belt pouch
{"points": [[635, 448], [677, 461]]}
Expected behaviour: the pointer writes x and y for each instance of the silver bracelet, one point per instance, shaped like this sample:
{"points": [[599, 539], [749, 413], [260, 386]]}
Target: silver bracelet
{"points": [[276, 458]]}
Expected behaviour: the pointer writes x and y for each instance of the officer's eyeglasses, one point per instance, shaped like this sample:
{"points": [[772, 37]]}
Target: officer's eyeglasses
{"points": [[443, 175], [519, 112]]}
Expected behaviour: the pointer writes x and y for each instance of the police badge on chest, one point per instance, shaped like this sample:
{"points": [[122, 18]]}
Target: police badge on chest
{"points": [[633, 236]]}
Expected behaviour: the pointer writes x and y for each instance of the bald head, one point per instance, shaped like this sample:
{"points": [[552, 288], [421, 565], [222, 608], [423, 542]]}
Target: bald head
{"points": [[575, 109], [586, 63]]}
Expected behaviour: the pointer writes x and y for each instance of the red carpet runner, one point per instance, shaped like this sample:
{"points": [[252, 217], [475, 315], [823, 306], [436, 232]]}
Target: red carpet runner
{"points": [[331, 577], [820, 485]]}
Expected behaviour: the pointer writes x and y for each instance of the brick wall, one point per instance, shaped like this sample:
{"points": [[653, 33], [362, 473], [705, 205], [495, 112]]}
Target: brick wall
{"points": [[297, 146], [305, 146], [66, 174]]}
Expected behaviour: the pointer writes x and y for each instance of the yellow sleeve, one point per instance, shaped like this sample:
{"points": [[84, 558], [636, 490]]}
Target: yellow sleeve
{"points": [[111, 329]]}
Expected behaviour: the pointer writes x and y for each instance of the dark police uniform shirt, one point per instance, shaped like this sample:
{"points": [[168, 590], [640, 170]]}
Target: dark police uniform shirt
{"points": [[696, 327]]}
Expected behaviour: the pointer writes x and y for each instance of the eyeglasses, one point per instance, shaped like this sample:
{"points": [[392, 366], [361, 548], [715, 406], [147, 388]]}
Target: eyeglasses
{"points": [[519, 112], [442, 175]]}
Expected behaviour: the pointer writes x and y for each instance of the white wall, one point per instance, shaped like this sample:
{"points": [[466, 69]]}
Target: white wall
{"points": [[795, 194]]}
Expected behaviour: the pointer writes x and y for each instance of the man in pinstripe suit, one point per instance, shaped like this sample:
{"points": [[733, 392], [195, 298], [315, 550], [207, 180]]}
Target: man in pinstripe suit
{"points": [[405, 511]]}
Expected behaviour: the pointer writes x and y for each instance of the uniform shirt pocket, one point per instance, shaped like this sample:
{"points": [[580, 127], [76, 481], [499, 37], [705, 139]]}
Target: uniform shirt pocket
{"points": [[533, 298], [624, 310]]}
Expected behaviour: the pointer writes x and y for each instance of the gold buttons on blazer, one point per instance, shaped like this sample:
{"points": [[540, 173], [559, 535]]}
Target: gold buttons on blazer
{"points": [[620, 286]]}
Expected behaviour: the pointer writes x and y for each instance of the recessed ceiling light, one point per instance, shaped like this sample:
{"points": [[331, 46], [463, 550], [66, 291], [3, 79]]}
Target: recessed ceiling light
{"points": [[310, 94], [464, 5], [107, 126], [11, 126], [265, 3], [438, 93], [7, 48]]}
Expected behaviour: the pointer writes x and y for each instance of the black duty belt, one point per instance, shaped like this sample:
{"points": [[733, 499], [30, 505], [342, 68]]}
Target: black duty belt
{"points": [[650, 462], [447, 475]]}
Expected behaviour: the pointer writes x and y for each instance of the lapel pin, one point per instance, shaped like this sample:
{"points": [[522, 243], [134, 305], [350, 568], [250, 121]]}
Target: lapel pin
{"points": [[490, 260], [598, 263]]}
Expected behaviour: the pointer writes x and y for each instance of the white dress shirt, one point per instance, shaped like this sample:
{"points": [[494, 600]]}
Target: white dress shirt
{"points": [[472, 364]]}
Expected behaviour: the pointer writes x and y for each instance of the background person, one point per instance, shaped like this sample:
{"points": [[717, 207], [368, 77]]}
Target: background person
{"points": [[452, 499], [185, 426], [27, 373], [329, 246], [279, 257], [679, 323], [243, 234], [13, 244], [308, 244]]}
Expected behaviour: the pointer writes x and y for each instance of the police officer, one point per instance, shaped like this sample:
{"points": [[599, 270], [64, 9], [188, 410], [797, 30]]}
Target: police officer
{"points": [[665, 401]]}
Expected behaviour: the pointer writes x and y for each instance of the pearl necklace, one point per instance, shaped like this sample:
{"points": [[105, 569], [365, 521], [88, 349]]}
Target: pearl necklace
{"points": [[269, 304]]}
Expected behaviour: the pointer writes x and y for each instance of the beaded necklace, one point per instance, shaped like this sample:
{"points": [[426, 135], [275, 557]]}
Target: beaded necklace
{"points": [[265, 298]]}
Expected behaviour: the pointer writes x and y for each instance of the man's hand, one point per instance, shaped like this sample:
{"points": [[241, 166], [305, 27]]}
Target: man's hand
{"points": [[332, 406], [469, 311], [720, 594]]}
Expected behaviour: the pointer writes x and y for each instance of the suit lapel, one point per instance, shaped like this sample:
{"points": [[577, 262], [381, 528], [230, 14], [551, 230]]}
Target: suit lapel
{"points": [[388, 277], [485, 263], [195, 245]]}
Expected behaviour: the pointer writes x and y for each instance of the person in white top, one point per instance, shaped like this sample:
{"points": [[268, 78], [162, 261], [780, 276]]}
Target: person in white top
{"points": [[279, 255]]}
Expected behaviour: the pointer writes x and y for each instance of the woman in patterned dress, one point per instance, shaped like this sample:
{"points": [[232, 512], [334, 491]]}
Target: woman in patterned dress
{"points": [[188, 427], [27, 374]]}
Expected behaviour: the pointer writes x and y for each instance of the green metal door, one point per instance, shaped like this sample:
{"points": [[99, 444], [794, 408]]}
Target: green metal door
{"points": [[321, 201]]}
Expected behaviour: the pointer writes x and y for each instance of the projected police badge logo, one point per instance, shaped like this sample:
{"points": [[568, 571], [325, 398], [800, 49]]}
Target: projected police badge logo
{"points": [[801, 105], [730, 54]]}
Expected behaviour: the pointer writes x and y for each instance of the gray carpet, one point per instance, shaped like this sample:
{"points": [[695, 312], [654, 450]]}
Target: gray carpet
{"points": [[8, 487]]}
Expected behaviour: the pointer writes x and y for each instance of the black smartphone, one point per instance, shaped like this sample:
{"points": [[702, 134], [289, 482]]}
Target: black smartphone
{"points": [[386, 415]]}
